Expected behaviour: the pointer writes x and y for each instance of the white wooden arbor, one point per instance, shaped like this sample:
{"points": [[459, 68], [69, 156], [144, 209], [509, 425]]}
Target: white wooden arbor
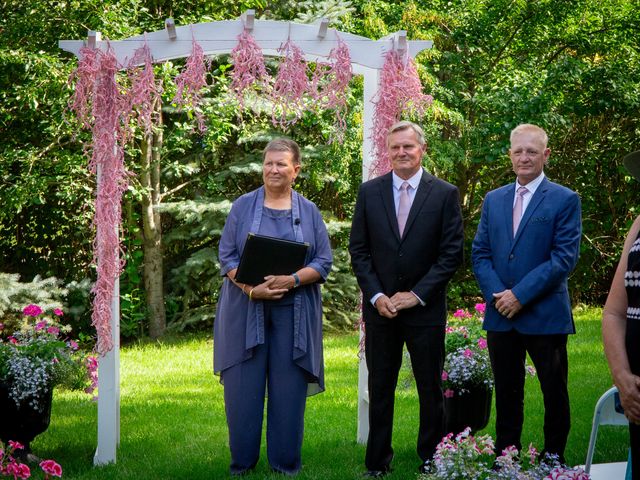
{"points": [[316, 41]]}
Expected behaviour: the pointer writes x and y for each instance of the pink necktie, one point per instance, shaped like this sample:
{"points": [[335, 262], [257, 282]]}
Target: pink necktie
{"points": [[404, 205], [517, 209]]}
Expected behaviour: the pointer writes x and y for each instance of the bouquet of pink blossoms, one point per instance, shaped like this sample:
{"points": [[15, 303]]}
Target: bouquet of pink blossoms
{"points": [[38, 355], [467, 363]]}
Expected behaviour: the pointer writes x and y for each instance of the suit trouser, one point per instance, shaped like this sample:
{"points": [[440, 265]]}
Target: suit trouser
{"points": [[548, 353], [383, 349], [244, 393], [632, 343]]}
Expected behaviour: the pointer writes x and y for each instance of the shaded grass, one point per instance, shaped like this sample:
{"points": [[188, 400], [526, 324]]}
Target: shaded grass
{"points": [[173, 424]]}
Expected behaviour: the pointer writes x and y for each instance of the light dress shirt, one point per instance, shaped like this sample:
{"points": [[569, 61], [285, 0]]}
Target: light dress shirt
{"points": [[531, 187]]}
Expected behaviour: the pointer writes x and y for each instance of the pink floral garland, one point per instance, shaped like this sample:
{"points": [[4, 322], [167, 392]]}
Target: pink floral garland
{"points": [[248, 67], [144, 92], [329, 85], [96, 76], [400, 90], [191, 82], [290, 85]]}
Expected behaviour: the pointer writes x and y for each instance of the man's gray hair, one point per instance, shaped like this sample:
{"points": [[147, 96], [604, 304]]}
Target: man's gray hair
{"points": [[529, 127], [406, 125]]}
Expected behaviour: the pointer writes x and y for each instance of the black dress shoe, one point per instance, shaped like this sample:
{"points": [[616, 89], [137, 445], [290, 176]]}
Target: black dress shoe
{"points": [[376, 473], [425, 467]]}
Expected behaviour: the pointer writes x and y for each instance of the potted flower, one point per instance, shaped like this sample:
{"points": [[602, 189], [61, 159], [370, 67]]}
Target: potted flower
{"points": [[467, 375], [36, 355], [464, 456]]}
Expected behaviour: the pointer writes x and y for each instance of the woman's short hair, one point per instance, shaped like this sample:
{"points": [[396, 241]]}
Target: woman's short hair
{"points": [[407, 125], [283, 145]]}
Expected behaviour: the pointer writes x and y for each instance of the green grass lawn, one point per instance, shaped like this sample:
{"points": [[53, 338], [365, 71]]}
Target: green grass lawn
{"points": [[173, 424]]}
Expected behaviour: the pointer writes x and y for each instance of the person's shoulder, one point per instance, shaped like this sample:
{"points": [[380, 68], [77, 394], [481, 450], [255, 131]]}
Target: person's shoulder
{"points": [[306, 203], [375, 181], [501, 190], [439, 182], [246, 198], [558, 188]]}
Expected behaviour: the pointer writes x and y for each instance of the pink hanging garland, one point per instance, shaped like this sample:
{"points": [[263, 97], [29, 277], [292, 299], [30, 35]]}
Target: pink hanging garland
{"points": [[85, 77], [248, 67], [329, 85], [289, 87], [99, 94], [144, 91], [191, 82], [400, 90]]}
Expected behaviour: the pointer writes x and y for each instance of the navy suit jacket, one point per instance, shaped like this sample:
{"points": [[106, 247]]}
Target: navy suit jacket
{"points": [[422, 261], [536, 264]]}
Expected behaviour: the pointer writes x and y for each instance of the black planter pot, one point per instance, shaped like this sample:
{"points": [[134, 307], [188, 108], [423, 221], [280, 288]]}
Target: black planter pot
{"points": [[22, 424], [470, 409]]}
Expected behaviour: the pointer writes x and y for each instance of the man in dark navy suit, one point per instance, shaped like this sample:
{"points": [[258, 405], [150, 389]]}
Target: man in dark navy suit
{"points": [[526, 246], [406, 243]]}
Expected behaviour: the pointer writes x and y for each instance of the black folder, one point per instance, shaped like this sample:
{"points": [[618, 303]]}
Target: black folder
{"points": [[263, 255]]}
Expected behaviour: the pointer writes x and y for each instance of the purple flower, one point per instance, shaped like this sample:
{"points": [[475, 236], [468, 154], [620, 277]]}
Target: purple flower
{"points": [[40, 325]]}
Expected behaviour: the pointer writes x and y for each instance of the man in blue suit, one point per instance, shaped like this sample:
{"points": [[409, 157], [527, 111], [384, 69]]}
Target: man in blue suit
{"points": [[526, 246]]}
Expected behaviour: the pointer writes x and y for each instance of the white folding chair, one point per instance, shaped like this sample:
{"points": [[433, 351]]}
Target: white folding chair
{"points": [[608, 411]]}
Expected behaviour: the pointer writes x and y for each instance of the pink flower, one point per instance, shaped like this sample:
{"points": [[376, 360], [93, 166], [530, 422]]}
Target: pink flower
{"points": [[51, 468], [460, 313], [58, 312], [1, 326], [92, 363], [53, 330], [533, 453], [468, 353], [510, 451], [448, 393], [73, 345], [561, 473], [23, 471], [445, 375], [16, 445], [481, 308], [40, 325], [13, 340], [55, 360], [482, 343], [32, 310], [12, 469]]}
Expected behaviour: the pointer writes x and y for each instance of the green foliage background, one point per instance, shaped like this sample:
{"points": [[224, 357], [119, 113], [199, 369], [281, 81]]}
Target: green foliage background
{"points": [[573, 67]]}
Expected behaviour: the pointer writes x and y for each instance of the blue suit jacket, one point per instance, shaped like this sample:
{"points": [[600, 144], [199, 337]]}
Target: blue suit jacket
{"points": [[535, 264]]}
